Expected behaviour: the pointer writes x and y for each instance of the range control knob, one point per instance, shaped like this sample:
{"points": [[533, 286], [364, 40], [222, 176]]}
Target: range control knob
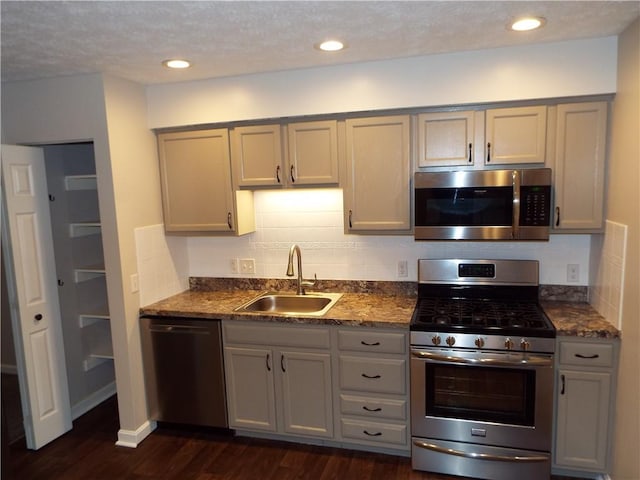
{"points": [[524, 345], [436, 340], [479, 342], [508, 344], [451, 341]]}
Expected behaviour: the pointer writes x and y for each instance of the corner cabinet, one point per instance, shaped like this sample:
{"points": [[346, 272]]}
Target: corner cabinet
{"points": [[279, 378], [579, 166], [585, 400], [196, 183], [377, 194]]}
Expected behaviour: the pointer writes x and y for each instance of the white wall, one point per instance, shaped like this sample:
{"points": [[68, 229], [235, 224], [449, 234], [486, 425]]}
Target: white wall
{"points": [[314, 220], [581, 67]]}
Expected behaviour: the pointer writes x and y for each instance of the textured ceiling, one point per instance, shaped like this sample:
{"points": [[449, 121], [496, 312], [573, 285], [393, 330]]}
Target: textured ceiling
{"points": [[223, 38]]}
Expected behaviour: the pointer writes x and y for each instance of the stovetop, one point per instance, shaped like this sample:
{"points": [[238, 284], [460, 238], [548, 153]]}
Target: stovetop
{"points": [[481, 316], [471, 301]]}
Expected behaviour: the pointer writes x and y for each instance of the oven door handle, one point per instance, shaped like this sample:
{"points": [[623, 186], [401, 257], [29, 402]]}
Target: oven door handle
{"points": [[485, 359], [481, 456]]}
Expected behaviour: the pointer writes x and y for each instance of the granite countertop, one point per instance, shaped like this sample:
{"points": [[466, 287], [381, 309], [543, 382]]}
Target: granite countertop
{"points": [[355, 309], [371, 304]]}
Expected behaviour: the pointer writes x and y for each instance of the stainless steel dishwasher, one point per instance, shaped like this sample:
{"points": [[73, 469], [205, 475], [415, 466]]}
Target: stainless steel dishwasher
{"points": [[184, 371]]}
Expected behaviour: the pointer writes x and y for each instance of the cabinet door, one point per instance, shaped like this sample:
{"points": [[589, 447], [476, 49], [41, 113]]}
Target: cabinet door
{"points": [[195, 171], [579, 165], [582, 419], [515, 135], [313, 153], [445, 139], [306, 393], [257, 156], [377, 196], [250, 388]]}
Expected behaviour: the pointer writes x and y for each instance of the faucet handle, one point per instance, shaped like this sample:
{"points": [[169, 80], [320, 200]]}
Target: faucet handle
{"points": [[309, 283]]}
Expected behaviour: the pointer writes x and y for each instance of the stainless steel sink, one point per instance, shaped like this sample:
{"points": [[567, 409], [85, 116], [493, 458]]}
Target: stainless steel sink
{"points": [[316, 304]]}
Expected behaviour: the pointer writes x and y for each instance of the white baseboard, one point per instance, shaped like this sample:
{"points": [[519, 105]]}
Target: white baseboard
{"points": [[10, 369], [93, 400], [132, 438]]}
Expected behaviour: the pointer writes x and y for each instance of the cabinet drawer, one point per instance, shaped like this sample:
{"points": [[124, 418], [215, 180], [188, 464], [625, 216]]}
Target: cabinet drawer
{"points": [[375, 432], [373, 374], [586, 354], [373, 407], [371, 341], [272, 334]]}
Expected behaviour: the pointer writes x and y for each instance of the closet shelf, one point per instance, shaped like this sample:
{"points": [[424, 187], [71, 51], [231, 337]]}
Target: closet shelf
{"points": [[82, 229], [80, 182]]}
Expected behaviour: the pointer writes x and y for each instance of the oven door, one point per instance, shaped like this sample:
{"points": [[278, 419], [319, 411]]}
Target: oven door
{"points": [[489, 398]]}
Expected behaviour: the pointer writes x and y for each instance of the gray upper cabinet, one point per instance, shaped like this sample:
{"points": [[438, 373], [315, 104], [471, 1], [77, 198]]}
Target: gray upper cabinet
{"points": [[377, 194], [197, 192], [446, 139], [515, 135], [257, 156], [313, 153], [578, 166], [260, 158]]}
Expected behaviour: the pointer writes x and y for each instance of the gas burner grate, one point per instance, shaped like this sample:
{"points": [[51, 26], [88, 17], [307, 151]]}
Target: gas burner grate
{"points": [[490, 314]]}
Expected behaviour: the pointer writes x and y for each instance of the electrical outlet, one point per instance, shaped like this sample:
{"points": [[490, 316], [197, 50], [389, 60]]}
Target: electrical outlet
{"points": [[234, 265], [573, 272], [403, 270], [248, 265]]}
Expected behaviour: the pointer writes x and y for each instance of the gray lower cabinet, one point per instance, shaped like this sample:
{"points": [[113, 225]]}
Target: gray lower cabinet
{"points": [[339, 385], [585, 400], [372, 388], [278, 378]]}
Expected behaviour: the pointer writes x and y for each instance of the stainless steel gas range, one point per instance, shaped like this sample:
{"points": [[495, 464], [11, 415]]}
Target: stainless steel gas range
{"points": [[481, 371]]}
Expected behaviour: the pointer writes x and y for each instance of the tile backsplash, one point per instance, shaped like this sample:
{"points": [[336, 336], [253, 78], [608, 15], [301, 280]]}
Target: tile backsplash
{"points": [[313, 219], [606, 295]]}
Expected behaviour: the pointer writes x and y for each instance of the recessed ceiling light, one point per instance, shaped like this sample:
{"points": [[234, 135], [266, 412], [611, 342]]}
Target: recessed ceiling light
{"points": [[330, 46], [527, 23], [176, 63]]}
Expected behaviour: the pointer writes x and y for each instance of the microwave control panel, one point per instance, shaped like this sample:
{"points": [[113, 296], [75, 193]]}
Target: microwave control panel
{"points": [[535, 205]]}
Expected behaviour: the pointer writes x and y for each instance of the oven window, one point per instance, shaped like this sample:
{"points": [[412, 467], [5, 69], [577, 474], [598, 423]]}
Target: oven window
{"points": [[489, 394], [479, 207]]}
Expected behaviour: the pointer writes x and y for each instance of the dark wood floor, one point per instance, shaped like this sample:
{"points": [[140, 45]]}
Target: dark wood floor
{"points": [[88, 452]]}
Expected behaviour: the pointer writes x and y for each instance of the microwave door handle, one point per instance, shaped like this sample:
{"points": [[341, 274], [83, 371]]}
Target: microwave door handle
{"points": [[515, 179]]}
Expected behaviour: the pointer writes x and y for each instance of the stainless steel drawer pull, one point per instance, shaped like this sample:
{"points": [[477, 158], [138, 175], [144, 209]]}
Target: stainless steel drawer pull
{"points": [[481, 456], [372, 409], [370, 376], [588, 357], [377, 434], [374, 344]]}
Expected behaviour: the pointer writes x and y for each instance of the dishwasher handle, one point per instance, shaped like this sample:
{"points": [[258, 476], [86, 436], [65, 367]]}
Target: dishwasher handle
{"points": [[189, 329]]}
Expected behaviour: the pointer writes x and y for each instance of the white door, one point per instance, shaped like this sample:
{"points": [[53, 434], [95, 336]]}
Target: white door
{"points": [[35, 310]]}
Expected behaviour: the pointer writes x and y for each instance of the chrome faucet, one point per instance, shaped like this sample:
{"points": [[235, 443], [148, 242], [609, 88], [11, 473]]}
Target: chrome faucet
{"points": [[301, 282]]}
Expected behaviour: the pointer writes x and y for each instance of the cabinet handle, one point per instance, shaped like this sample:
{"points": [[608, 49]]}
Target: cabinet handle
{"points": [[372, 409], [350, 215], [284, 370], [563, 384], [229, 221], [470, 147], [374, 344], [293, 178], [488, 152], [370, 376], [588, 357], [268, 362], [377, 434], [557, 216], [278, 173]]}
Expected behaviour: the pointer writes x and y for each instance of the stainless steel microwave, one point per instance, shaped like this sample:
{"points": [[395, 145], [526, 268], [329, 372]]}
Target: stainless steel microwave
{"points": [[483, 204]]}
